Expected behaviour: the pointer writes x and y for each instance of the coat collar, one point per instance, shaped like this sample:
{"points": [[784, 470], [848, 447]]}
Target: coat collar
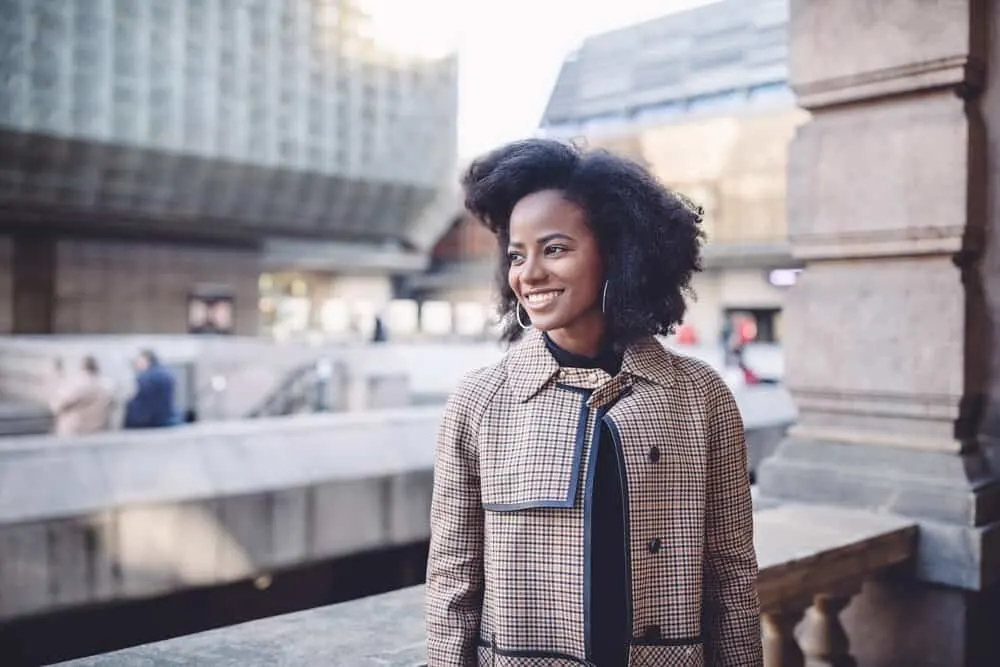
{"points": [[530, 365]]}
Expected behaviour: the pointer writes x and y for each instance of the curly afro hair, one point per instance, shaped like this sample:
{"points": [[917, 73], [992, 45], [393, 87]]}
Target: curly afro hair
{"points": [[650, 237]]}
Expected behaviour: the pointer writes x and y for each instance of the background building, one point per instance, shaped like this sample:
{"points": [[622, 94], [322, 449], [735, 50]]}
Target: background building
{"points": [[701, 97], [156, 152]]}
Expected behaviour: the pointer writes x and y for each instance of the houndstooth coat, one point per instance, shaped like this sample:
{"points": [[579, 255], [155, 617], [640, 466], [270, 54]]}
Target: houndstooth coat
{"points": [[510, 517]]}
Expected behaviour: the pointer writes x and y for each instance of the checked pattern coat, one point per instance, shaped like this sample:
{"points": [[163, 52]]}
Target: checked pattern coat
{"points": [[508, 563]]}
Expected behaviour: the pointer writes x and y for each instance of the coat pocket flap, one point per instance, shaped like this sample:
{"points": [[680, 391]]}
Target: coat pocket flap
{"points": [[662, 654]]}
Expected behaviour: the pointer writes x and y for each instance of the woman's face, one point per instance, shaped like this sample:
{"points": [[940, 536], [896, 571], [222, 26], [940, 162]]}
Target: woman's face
{"points": [[556, 270]]}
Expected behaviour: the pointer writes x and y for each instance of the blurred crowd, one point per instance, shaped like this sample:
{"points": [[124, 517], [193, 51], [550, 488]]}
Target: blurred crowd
{"points": [[83, 400]]}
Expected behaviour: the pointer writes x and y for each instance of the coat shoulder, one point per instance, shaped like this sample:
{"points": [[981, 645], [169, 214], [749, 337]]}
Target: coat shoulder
{"points": [[713, 392], [697, 373], [476, 390]]}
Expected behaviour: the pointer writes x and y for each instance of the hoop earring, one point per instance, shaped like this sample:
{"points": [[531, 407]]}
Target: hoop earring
{"points": [[604, 299], [517, 313]]}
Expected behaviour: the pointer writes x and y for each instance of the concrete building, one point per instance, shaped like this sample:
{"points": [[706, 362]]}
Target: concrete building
{"points": [[701, 97], [157, 157]]}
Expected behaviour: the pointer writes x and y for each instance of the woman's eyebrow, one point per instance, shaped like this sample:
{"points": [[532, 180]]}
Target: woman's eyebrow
{"points": [[543, 239], [554, 236]]}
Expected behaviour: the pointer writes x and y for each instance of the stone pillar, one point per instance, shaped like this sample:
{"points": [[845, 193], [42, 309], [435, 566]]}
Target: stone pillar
{"points": [[890, 352]]}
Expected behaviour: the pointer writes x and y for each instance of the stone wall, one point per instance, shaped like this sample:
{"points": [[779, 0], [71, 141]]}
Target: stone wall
{"points": [[991, 261], [135, 287], [889, 354], [6, 286]]}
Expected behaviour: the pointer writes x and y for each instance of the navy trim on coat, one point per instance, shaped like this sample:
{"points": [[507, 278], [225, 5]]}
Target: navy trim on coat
{"points": [[616, 437], [588, 530], [531, 653]]}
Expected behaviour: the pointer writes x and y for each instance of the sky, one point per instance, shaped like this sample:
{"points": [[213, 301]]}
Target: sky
{"points": [[510, 52]]}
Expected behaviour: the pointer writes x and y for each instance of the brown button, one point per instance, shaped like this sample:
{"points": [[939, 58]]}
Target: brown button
{"points": [[651, 632], [654, 545], [654, 454]]}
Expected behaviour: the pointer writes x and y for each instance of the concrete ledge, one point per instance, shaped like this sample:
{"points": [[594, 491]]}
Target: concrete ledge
{"points": [[802, 551], [385, 630], [132, 515]]}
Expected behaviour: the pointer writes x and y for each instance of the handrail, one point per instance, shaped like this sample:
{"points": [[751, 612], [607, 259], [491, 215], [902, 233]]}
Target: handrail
{"points": [[281, 393]]}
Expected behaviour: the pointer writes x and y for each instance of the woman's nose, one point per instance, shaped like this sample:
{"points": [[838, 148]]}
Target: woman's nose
{"points": [[533, 271]]}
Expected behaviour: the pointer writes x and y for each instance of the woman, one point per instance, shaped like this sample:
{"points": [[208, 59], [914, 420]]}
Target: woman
{"points": [[591, 499]]}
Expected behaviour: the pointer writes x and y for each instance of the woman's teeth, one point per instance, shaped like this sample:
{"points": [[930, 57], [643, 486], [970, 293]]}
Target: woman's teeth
{"points": [[539, 298]]}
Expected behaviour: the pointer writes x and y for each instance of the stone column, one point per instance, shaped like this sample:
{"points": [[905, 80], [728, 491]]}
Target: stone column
{"points": [[890, 354]]}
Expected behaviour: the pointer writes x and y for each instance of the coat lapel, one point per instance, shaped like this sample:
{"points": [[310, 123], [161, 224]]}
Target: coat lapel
{"points": [[530, 366]]}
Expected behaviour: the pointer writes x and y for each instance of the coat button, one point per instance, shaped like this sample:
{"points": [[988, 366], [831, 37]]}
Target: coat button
{"points": [[654, 545], [651, 632], [654, 454], [594, 378]]}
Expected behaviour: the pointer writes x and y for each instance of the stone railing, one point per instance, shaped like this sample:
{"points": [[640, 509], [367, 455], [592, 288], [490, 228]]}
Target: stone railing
{"points": [[811, 558], [136, 514]]}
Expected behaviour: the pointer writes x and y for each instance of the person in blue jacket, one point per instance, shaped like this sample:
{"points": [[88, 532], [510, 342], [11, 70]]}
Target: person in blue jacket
{"points": [[153, 403]]}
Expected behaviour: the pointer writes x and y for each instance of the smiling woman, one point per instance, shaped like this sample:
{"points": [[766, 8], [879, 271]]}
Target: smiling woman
{"points": [[631, 245], [555, 270], [591, 499]]}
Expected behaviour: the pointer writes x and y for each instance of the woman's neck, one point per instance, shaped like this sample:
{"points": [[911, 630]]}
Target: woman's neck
{"points": [[586, 342]]}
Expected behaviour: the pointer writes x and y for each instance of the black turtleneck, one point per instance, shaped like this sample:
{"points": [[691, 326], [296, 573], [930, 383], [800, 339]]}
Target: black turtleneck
{"points": [[608, 629], [607, 359]]}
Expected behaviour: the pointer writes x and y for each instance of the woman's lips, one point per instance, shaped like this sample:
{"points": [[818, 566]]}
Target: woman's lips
{"points": [[541, 299]]}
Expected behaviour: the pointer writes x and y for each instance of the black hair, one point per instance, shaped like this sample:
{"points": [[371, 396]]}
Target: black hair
{"points": [[90, 365], [649, 237]]}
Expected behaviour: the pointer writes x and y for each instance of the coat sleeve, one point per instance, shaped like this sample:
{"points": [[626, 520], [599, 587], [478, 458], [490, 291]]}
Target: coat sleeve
{"points": [[731, 604], [66, 397], [455, 561]]}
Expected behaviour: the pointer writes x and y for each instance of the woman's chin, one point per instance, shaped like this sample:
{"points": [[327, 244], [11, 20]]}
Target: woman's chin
{"points": [[546, 324]]}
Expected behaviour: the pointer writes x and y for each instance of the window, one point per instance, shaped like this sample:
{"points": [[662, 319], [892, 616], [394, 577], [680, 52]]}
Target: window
{"points": [[722, 58]]}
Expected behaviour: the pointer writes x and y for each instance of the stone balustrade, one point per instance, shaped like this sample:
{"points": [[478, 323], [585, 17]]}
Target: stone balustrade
{"points": [[812, 561]]}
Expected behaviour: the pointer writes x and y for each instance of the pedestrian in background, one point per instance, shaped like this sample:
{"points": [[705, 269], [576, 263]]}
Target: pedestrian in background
{"points": [[152, 406], [82, 401], [591, 500]]}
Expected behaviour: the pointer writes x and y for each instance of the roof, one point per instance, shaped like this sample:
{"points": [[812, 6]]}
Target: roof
{"points": [[727, 52]]}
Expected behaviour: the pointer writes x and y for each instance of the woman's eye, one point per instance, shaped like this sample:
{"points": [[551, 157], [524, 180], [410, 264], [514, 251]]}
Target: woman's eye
{"points": [[555, 250], [513, 257]]}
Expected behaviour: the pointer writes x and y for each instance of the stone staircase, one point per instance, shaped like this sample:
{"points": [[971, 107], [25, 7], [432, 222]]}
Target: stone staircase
{"points": [[20, 417]]}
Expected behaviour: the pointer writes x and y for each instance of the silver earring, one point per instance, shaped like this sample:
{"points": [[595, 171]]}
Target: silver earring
{"points": [[604, 299], [517, 312]]}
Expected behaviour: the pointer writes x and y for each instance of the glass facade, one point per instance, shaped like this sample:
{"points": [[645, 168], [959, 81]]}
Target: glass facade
{"points": [[291, 114], [709, 58]]}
